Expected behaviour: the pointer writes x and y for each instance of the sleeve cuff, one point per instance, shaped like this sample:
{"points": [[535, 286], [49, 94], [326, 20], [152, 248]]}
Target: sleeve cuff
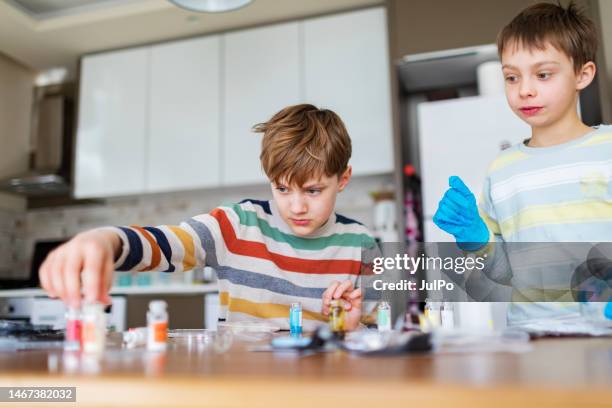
{"points": [[125, 245]]}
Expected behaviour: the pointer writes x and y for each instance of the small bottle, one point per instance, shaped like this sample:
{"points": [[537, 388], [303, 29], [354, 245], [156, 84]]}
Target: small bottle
{"points": [[94, 328], [74, 329], [336, 318], [383, 317], [157, 325], [412, 319], [135, 337], [447, 315], [295, 319], [432, 313]]}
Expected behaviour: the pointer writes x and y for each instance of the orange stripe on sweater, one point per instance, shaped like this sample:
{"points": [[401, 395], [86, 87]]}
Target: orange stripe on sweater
{"points": [[155, 249]]}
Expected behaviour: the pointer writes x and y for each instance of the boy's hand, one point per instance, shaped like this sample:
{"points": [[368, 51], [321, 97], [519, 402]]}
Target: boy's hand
{"points": [[458, 215], [84, 261], [351, 299]]}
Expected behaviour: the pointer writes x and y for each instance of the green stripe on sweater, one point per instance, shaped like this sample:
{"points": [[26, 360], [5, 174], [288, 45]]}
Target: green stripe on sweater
{"points": [[250, 219]]}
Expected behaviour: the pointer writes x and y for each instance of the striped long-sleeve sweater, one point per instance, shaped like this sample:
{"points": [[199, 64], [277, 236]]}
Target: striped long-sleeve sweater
{"points": [[261, 266], [552, 194]]}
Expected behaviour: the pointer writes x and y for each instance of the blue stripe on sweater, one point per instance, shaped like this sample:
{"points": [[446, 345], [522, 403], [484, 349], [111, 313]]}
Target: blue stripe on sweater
{"points": [[259, 281], [134, 255], [265, 205]]}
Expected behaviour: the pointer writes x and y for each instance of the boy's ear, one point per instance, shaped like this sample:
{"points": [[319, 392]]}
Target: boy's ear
{"points": [[585, 75], [345, 177]]}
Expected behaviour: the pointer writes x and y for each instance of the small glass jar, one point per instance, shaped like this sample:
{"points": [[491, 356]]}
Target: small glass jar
{"points": [[295, 319], [383, 317], [336, 318], [94, 328], [74, 329]]}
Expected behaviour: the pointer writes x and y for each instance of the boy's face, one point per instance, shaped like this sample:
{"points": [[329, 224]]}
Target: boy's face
{"points": [[304, 209], [542, 85]]}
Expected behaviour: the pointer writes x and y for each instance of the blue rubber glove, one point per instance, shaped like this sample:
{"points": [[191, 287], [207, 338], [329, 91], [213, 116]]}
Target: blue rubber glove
{"points": [[458, 215], [608, 311]]}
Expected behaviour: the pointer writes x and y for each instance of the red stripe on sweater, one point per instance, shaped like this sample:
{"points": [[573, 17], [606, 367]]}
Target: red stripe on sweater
{"points": [[259, 250]]}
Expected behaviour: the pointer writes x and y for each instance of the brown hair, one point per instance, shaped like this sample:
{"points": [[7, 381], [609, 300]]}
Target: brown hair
{"points": [[301, 142], [567, 29]]}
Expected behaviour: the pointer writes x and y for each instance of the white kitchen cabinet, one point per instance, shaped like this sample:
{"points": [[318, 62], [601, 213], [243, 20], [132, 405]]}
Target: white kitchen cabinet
{"points": [[184, 120], [262, 76], [112, 124], [346, 62]]}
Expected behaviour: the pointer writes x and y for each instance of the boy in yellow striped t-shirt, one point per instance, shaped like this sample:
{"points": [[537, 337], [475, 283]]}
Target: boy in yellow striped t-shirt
{"points": [[555, 186]]}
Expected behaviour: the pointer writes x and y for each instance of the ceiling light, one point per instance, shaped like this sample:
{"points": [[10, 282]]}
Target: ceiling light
{"points": [[211, 6]]}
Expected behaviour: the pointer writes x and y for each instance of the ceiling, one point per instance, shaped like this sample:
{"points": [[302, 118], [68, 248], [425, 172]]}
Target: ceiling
{"points": [[40, 36]]}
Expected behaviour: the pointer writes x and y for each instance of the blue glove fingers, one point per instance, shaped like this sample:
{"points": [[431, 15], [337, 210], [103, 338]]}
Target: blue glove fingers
{"points": [[451, 228], [463, 203], [446, 214], [462, 215], [457, 183]]}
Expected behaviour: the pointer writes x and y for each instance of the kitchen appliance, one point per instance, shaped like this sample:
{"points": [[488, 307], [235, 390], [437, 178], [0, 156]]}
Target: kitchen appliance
{"points": [[51, 141], [41, 250], [42, 312]]}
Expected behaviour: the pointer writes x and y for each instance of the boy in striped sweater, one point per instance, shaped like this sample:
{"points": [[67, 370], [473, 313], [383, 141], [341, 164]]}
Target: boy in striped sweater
{"points": [[267, 254], [556, 186]]}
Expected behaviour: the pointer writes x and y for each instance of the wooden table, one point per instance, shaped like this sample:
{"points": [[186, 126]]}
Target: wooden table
{"points": [[556, 373]]}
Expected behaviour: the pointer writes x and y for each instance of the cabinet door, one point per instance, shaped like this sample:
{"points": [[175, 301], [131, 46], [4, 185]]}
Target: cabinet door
{"points": [[262, 76], [347, 70], [110, 145], [184, 119]]}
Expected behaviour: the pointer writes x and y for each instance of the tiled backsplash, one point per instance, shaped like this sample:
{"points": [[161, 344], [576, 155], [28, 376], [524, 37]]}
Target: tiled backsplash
{"points": [[13, 254], [18, 232]]}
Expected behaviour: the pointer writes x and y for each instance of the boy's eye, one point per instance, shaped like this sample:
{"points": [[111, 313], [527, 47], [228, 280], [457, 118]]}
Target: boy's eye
{"points": [[281, 189], [511, 78], [544, 75], [313, 191]]}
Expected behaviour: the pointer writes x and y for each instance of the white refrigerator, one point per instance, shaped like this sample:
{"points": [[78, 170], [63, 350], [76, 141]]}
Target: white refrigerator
{"points": [[461, 137]]}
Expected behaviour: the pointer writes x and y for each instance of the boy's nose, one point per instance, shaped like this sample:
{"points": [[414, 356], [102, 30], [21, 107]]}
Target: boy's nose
{"points": [[526, 90], [298, 205]]}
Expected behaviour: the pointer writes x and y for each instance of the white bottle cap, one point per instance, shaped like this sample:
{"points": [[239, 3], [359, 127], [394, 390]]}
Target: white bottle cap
{"points": [[157, 306]]}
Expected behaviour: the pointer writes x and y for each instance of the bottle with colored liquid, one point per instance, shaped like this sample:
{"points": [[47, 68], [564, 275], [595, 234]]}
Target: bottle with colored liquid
{"points": [[94, 328], [74, 329], [336, 318], [383, 316], [295, 319], [157, 325]]}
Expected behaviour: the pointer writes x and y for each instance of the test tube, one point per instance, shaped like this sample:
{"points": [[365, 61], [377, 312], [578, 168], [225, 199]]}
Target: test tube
{"points": [[447, 315], [383, 316], [295, 319], [432, 313]]}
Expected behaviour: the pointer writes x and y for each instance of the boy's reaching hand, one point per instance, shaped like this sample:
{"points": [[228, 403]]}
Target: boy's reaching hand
{"points": [[351, 299], [458, 215], [86, 261]]}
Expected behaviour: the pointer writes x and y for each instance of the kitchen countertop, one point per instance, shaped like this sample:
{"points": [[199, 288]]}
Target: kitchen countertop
{"points": [[555, 373]]}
